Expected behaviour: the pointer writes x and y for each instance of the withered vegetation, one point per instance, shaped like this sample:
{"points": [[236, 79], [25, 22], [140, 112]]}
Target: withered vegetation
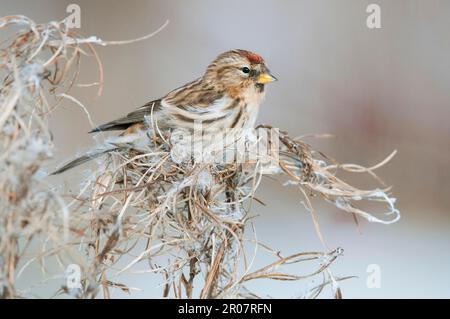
{"points": [[189, 222]]}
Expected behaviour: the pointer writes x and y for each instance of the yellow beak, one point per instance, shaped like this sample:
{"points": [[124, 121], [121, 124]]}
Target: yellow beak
{"points": [[266, 78]]}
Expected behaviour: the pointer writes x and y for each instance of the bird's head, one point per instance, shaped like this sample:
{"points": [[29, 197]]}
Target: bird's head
{"points": [[239, 70]]}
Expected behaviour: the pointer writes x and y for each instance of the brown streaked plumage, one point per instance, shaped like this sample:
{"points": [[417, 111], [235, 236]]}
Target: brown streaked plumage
{"points": [[223, 93], [228, 95]]}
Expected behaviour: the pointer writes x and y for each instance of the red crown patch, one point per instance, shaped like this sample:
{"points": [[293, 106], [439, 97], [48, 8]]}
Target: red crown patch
{"points": [[253, 57]]}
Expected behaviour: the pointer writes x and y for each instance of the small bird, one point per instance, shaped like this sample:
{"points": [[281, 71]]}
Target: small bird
{"points": [[227, 96]]}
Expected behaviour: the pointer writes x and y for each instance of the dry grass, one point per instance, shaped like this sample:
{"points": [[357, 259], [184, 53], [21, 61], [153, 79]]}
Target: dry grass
{"points": [[190, 222]]}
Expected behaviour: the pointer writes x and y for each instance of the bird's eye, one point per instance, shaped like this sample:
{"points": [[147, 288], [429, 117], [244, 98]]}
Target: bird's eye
{"points": [[245, 70]]}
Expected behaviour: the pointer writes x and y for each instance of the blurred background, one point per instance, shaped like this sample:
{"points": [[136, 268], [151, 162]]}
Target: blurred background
{"points": [[375, 90]]}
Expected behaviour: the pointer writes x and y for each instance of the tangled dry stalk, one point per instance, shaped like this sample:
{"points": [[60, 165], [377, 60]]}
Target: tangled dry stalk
{"points": [[190, 222]]}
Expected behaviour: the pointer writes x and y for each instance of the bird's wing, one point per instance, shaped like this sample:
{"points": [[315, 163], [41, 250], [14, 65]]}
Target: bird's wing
{"points": [[193, 97], [130, 119]]}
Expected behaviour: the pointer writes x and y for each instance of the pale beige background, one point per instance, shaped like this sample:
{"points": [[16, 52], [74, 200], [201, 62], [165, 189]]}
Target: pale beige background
{"points": [[375, 90]]}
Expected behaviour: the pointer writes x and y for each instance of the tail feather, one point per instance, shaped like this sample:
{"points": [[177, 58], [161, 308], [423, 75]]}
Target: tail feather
{"points": [[83, 159]]}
